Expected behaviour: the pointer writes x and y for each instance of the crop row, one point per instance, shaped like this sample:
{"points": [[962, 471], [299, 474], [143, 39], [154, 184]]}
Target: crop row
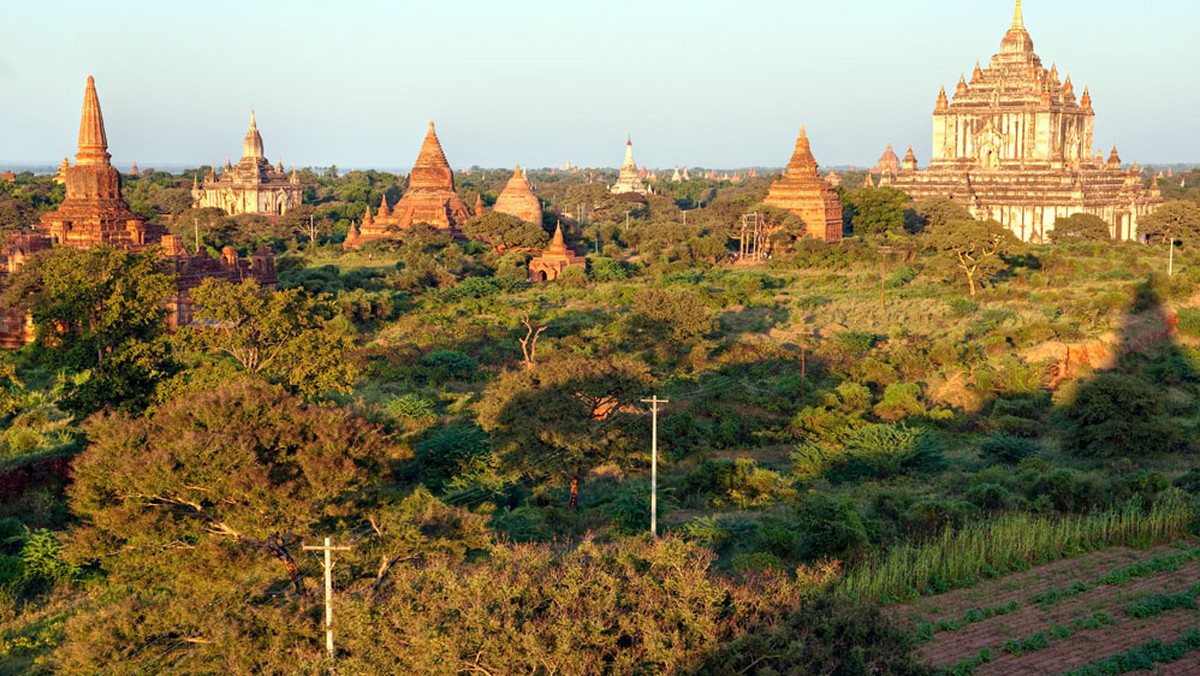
{"points": [[1142, 657]]}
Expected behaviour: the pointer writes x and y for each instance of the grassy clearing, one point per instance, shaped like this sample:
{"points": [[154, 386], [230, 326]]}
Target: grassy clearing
{"points": [[961, 556]]}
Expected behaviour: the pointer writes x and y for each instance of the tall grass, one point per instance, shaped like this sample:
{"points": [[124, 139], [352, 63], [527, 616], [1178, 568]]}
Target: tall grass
{"points": [[961, 556]]}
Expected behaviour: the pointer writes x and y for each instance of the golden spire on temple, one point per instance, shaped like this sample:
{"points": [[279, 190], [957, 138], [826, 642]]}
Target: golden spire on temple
{"points": [[1018, 20]]}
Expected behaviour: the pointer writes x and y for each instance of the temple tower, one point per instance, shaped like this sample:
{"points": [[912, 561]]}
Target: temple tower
{"points": [[803, 192]]}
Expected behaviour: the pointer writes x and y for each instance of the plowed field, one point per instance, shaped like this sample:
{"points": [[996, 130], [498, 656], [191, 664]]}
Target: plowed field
{"points": [[1063, 616]]}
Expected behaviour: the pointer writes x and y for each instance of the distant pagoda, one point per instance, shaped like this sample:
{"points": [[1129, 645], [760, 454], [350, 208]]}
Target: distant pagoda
{"points": [[802, 191], [430, 199], [888, 163], [1016, 146], [629, 181], [517, 199], [554, 260], [252, 186]]}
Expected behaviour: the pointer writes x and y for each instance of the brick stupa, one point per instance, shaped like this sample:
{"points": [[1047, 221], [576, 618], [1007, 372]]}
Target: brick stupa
{"points": [[517, 199], [803, 192], [94, 213], [554, 260], [430, 198]]}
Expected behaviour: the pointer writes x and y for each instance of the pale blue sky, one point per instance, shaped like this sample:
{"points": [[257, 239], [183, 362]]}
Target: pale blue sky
{"points": [[699, 83]]}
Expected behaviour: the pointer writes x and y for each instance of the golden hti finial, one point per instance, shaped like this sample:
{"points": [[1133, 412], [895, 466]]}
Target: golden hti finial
{"points": [[1018, 20]]}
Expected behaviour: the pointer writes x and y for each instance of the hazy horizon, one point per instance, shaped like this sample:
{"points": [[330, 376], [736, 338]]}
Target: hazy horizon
{"points": [[695, 84]]}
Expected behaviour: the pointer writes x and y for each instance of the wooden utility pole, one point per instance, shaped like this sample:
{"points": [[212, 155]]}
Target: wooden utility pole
{"points": [[329, 549], [654, 402]]}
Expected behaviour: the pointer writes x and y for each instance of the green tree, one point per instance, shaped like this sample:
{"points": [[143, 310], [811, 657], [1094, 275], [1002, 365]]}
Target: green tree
{"points": [[98, 313], [1117, 415], [505, 232], [877, 211], [938, 211], [976, 249], [574, 410], [201, 505], [1178, 220], [283, 335], [1080, 228]]}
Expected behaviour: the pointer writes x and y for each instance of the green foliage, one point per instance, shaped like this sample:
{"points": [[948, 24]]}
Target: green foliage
{"points": [[604, 269], [1050, 597], [42, 560], [450, 452], [1080, 228], [878, 211], [282, 335], [1031, 643], [1177, 220], [1143, 657], [736, 481], [1116, 415], [974, 249], [824, 636], [1161, 603], [1008, 449], [505, 232], [1012, 542], [98, 312]]}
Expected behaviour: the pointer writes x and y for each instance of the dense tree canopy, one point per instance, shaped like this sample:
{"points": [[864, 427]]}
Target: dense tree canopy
{"points": [[281, 334], [1080, 228]]}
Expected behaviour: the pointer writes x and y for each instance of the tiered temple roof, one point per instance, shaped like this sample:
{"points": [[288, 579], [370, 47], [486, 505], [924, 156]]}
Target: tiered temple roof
{"points": [[252, 186], [430, 198], [517, 199], [1015, 145], [803, 192], [629, 181]]}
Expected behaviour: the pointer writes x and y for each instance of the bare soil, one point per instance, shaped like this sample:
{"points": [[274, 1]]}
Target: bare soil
{"points": [[1082, 646]]}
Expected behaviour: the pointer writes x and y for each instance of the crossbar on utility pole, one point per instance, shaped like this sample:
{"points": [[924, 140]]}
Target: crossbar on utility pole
{"points": [[329, 549], [654, 401]]}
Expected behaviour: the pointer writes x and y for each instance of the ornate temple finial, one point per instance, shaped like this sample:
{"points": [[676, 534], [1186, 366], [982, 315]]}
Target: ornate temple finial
{"points": [[802, 134], [93, 143], [1018, 19], [252, 125]]}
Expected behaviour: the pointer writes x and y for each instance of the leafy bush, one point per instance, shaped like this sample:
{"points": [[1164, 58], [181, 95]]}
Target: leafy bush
{"points": [[888, 450], [1116, 415], [1008, 449]]}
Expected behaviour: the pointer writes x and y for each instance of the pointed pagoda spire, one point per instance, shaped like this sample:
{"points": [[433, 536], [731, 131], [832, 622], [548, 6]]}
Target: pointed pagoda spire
{"points": [[479, 204], [962, 87], [1086, 101], [557, 244], [802, 163], [93, 143], [1018, 23], [942, 102], [977, 74], [368, 219], [384, 211], [431, 171], [252, 145]]}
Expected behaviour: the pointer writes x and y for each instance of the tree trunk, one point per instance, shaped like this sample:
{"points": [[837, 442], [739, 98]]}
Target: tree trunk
{"points": [[574, 501]]}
